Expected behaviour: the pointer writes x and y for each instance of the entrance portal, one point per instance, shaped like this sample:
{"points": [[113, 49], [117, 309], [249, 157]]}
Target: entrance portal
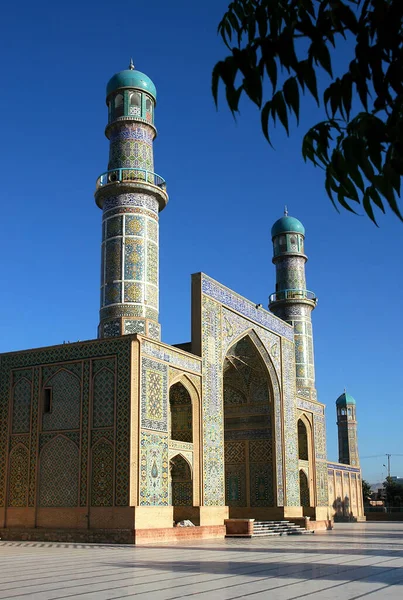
{"points": [[248, 430]]}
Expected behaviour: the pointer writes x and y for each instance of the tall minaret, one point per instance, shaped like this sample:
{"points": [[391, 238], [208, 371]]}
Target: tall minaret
{"points": [[291, 301], [131, 196], [347, 428]]}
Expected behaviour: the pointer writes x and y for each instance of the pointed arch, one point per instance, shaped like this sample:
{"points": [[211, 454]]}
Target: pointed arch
{"points": [[21, 417], [102, 473], [304, 488], [58, 473], [249, 388], [18, 476], [181, 481], [303, 446], [66, 401], [103, 398], [181, 418]]}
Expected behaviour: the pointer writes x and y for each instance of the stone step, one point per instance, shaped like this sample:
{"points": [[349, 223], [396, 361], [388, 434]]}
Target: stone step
{"points": [[277, 528]]}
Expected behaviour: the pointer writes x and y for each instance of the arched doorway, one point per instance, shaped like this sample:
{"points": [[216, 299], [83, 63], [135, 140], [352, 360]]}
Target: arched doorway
{"points": [[248, 430], [304, 489], [181, 413]]}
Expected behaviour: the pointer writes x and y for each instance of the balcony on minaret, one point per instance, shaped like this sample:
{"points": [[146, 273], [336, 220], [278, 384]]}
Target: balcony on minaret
{"points": [[130, 175], [293, 295]]}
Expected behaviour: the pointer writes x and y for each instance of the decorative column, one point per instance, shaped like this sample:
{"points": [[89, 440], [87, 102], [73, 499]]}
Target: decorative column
{"points": [[131, 196]]}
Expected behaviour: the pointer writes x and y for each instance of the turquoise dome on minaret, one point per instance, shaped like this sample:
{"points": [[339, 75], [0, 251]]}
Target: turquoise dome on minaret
{"points": [[131, 78], [344, 399], [286, 225]]}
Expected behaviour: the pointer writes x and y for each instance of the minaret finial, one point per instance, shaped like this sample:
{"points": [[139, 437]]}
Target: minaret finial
{"points": [[131, 66], [285, 211]]}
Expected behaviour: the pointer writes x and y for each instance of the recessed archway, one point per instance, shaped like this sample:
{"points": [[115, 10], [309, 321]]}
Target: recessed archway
{"points": [[248, 430], [180, 404]]}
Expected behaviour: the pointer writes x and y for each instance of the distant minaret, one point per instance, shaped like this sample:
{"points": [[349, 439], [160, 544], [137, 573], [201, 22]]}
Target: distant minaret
{"points": [[347, 428], [291, 301], [131, 195]]}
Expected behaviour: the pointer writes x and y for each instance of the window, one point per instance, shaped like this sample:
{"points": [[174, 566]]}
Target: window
{"points": [[47, 400], [149, 110], [135, 104], [119, 105]]}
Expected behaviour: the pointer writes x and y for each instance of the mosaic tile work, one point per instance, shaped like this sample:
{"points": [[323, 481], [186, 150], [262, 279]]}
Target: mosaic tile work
{"points": [[322, 490], [312, 407], [261, 485], [235, 325], [103, 403], [85, 417], [131, 146], [130, 265], [59, 473], [290, 425], [66, 402], [319, 426], [212, 411], [248, 309], [171, 356], [154, 469], [102, 474], [53, 357], [235, 484], [19, 471], [21, 406], [154, 395], [340, 467], [174, 451]]}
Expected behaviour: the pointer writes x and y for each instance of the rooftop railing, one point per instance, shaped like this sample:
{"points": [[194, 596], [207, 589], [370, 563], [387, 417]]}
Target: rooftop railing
{"points": [[129, 175], [292, 295]]}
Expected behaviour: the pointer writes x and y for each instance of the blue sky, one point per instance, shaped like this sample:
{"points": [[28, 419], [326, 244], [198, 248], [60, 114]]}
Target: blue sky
{"points": [[226, 187]]}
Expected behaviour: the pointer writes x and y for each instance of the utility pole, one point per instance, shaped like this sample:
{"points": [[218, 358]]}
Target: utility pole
{"points": [[388, 455]]}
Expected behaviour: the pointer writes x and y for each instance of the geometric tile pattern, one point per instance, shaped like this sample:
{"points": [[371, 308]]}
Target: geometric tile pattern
{"points": [[103, 404], [154, 395], [66, 402], [18, 484], [102, 474], [83, 434], [57, 356], [248, 309], [290, 425], [235, 484], [171, 356], [21, 406], [59, 473], [214, 329], [154, 469], [261, 485]]}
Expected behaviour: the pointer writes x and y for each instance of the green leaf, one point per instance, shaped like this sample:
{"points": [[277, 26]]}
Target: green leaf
{"points": [[265, 116], [291, 95], [368, 207], [306, 73], [279, 107]]}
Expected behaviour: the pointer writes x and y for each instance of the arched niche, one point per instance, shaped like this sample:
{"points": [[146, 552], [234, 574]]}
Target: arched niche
{"points": [[248, 429], [181, 481], [304, 488], [181, 417]]}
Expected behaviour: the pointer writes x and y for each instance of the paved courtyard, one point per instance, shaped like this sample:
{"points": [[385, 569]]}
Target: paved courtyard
{"points": [[357, 561]]}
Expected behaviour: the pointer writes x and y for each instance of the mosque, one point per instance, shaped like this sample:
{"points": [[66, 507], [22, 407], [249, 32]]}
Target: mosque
{"points": [[119, 438]]}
